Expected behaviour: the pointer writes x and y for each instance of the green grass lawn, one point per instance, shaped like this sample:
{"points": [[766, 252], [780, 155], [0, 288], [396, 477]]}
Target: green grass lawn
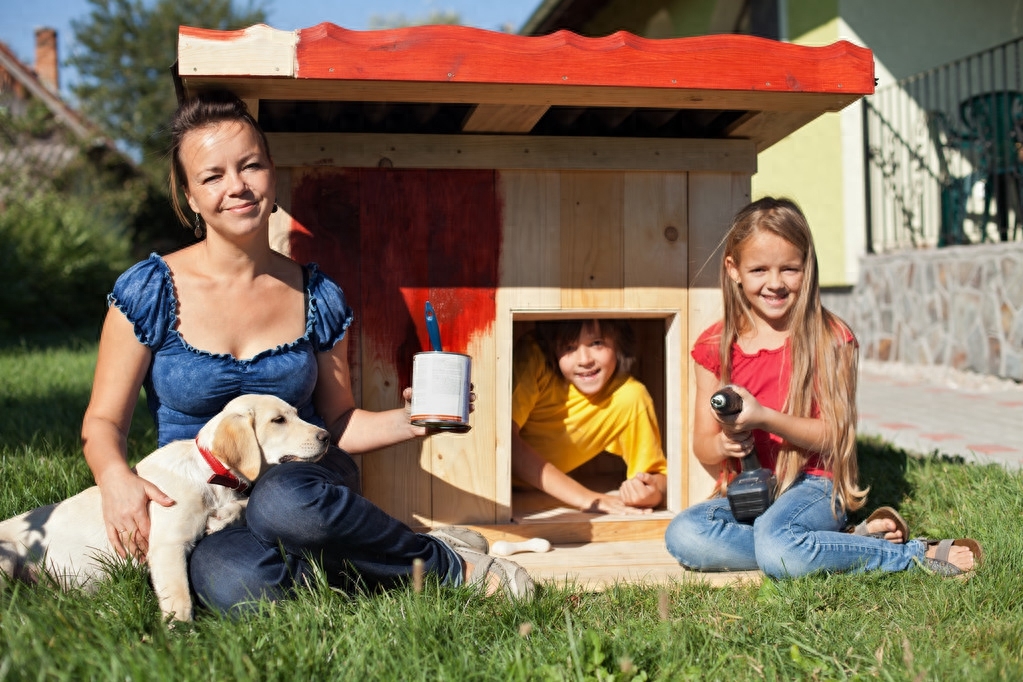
{"points": [[907, 626]]}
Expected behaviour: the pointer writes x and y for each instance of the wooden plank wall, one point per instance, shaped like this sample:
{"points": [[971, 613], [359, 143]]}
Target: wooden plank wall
{"points": [[629, 243], [612, 243]]}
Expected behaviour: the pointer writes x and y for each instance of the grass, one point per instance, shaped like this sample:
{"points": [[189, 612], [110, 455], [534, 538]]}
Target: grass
{"points": [[906, 626]]}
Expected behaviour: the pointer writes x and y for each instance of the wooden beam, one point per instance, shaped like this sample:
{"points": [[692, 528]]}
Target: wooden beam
{"points": [[254, 51], [503, 152], [770, 127], [504, 118], [528, 94]]}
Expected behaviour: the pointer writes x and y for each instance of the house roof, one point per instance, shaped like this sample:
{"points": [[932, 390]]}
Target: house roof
{"points": [[458, 80], [23, 75]]}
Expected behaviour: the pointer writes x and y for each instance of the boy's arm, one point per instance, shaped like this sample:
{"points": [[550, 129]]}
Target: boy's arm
{"points": [[530, 466]]}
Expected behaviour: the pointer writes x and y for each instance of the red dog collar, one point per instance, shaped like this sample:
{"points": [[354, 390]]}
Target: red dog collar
{"points": [[221, 474]]}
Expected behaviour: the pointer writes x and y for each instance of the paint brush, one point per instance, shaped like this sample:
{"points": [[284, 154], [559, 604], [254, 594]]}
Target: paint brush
{"points": [[432, 329]]}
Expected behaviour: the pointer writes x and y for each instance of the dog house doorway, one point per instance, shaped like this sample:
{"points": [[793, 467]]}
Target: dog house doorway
{"points": [[660, 371]]}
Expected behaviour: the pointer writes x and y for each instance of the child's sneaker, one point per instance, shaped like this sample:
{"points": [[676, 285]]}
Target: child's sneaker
{"points": [[459, 537]]}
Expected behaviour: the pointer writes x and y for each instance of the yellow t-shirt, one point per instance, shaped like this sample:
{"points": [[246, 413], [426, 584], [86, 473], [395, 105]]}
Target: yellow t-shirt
{"points": [[569, 428]]}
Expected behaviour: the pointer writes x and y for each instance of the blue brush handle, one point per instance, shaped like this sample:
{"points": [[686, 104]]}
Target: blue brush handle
{"points": [[432, 329]]}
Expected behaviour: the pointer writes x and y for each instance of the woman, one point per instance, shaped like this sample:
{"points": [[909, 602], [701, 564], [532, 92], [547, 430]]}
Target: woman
{"points": [[229, 315]]}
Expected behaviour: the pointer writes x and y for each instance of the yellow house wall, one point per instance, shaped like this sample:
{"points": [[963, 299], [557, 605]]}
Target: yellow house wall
{"points": [[807, 167]]}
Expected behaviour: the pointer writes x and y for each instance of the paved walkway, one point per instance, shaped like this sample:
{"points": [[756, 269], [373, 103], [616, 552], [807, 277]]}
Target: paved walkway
{"points": [[923, 409]]}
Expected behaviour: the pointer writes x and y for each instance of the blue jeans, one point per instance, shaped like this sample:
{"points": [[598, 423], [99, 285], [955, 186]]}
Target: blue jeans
{"points": [[299, 514], [798, 534]]}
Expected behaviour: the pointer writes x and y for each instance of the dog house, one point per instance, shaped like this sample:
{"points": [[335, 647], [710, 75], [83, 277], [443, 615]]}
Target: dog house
{"points": [[510, 179]]}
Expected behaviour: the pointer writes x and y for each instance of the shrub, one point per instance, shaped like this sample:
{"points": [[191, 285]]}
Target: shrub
{"points": [[59, 256]]}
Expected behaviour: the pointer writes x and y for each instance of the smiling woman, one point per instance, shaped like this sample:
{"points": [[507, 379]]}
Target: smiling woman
{"points": [[228, 316]]}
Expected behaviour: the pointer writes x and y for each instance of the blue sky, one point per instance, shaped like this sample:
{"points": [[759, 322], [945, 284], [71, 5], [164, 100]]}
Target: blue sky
{"points": [[20, 18]]}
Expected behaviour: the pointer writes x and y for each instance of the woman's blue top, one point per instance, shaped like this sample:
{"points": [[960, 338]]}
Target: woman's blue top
{"points": [[186, 387]]}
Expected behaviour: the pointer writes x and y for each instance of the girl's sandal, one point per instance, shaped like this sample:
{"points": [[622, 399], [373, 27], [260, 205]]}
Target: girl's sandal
{"points": [[883, 513], [939, 563], [493, 573]]}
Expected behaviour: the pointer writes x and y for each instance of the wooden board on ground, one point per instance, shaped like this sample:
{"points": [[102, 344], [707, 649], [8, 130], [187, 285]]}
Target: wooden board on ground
{"points": [[596, 566]]}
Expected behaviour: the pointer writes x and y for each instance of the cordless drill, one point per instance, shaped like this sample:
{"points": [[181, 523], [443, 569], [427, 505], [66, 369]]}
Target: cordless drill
{"points": [[752, 491]]}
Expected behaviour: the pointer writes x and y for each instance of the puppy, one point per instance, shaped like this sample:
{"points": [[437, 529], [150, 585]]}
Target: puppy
{"points": [[206, 478]]}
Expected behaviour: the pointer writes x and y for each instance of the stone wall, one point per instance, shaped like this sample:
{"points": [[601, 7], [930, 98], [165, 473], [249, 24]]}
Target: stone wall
{"points": [[957, 307]]}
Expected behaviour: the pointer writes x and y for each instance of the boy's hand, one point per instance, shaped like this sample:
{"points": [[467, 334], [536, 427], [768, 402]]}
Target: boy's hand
{"points": [[611, 504], [641, 491]]}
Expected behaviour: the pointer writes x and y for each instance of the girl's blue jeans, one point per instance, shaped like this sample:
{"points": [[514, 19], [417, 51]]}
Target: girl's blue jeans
{"points": [[798, 534], [300, 514]]}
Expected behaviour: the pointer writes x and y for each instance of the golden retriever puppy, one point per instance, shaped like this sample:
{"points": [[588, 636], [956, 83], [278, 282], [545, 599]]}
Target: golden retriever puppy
{"points": [[206, 478]]}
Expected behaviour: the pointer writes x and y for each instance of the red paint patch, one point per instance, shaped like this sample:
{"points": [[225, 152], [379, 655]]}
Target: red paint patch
{"points": [[394, 239]]}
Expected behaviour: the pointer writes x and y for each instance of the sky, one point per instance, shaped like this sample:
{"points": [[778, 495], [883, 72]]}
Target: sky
{"points": [[20, 18]]}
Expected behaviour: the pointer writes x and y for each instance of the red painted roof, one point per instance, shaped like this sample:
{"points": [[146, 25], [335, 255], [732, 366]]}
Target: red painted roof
{"points": [[470, 66], [460, 54]]}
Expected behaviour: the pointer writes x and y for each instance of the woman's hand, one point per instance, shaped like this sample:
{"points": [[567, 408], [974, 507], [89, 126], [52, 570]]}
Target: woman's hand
{"points": [[126, 498], [406, 395]]}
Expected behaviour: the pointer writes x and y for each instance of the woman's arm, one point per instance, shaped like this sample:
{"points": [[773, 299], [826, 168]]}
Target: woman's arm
{"points": [[356, 430], [121, 365], [530, 466]]}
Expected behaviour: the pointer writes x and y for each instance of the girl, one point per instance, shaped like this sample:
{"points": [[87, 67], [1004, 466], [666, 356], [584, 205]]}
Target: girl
{"points": [[794, 364], [573, 398]]}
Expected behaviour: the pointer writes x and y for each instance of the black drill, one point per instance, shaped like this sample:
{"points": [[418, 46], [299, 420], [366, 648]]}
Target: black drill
{"points": [[752, 491]]}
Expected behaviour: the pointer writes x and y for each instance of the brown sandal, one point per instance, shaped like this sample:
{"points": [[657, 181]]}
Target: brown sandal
{"points": [[883, 513], [940, 564]]}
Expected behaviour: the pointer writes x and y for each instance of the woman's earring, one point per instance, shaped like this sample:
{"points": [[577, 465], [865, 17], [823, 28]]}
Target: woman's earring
{"points": [[274, 209], [200, 228]]}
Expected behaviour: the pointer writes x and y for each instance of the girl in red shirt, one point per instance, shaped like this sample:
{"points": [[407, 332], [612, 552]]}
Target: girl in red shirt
{"points": [[794, 365]]}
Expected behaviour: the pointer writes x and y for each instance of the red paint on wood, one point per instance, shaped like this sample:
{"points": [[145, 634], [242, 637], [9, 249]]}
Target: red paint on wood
{"points": [[396, 238], [462, 54], [213, 34], [325, 230]]}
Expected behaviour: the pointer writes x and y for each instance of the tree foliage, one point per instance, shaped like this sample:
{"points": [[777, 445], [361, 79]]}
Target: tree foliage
{"points": [[124, 56], [399, 20]]}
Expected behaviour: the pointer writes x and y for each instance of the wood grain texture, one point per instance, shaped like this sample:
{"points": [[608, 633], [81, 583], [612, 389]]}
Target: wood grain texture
{"points": [[592, 240], [714, 199], [372, 150], [597, 566], [465, 54], [504, 118]]}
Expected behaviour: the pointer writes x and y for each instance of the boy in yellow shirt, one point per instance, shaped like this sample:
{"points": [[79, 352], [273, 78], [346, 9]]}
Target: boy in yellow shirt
{"points": [[573, 398]]}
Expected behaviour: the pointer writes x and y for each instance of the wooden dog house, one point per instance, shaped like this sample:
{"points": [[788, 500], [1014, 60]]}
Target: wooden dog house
{"points": [[509, 179]]}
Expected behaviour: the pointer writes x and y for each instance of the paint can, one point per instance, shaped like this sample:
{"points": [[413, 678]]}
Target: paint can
{"points": [[440, 390]]}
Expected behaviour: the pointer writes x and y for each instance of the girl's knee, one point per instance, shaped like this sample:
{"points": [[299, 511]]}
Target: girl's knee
{"points": [[684, 537], [779, 555]]}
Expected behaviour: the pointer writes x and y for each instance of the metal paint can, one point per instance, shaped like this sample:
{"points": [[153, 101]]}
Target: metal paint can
{"points": [[440, 390]]}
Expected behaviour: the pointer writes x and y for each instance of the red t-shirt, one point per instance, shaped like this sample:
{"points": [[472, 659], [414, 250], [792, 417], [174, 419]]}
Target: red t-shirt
{"points": [[765, 374]]}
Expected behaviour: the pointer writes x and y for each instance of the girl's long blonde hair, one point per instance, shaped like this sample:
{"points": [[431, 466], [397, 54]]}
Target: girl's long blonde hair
{"points": [[824, 364]]}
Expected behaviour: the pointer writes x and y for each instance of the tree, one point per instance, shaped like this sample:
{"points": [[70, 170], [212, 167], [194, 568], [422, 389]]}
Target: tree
{"points": [[399, 20], [124, 55]]}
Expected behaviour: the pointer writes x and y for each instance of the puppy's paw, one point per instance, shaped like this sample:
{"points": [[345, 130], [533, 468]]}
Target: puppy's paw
{"points": [[228, 516]]}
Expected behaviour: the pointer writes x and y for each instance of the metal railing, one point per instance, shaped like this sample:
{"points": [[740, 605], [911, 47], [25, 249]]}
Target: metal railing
{"points": [[944, 154]]}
